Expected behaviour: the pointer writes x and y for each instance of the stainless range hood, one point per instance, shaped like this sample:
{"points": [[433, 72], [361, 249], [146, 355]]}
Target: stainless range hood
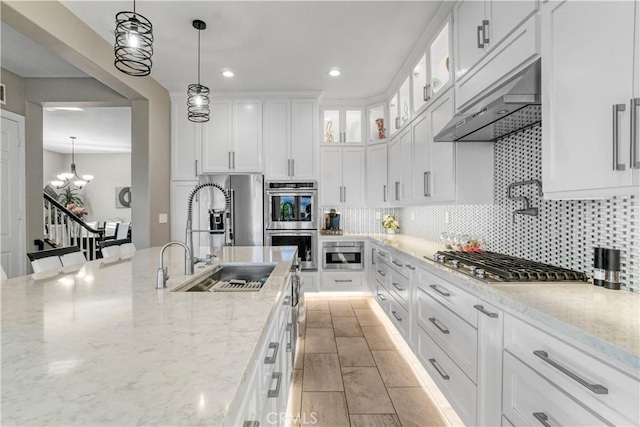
{"points": [[511, 108]]}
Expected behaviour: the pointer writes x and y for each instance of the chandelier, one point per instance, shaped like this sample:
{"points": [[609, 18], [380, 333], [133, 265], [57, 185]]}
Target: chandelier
{"points": [[65, 179], [197, 94], [134, 43]]}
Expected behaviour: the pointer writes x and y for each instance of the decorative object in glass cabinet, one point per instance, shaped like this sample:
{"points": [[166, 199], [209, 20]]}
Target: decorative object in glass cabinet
{"points": [[405, 98], [353, 122], [331, 126], [377, 131], [439, 58]]}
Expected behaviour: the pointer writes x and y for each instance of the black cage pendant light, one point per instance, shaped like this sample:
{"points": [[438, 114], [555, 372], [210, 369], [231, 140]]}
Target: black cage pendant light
{"points": [[198, 95], [134, 43]]}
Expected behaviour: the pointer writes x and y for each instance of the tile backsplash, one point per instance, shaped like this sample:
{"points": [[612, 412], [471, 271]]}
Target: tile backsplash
{"points": [[364, 220], [563, 234]]}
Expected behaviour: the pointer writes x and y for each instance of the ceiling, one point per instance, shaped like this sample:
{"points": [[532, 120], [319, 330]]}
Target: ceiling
{"points": [[97, 129], [26, 58], [275, 46]]}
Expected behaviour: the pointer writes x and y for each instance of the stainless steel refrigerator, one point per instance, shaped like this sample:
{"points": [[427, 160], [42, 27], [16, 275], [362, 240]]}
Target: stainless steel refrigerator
{"points": [[244, 225]]}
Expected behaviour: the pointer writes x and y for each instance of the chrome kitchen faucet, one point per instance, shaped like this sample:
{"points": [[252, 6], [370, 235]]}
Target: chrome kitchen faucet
{"points": [[163, 273]]}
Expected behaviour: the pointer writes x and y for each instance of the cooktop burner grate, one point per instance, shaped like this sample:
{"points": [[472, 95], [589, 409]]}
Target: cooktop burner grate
{"points": [[510, 269]]}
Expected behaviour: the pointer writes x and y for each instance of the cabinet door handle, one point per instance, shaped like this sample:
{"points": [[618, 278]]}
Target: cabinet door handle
{"points": [[381, 297], [384, 193], [442, 328], [617, 108], [595, 388], [485, 32], [399, 264], [425, 97], [230, 160], [233, 157], [427, 184], [395, 314], [542, 417], [382, 273], [397, 190], [410, 267], [443, 293], [287, 300], [342, 280], [345, 194], [480, 38], [441, 371], [251, 424], [482, 310], [288, 167], [293, 167], [397, 122], [373, 256], [271, 360], [634, 163], [289, 329], [398, 287], [278, 377], [196, 168]]}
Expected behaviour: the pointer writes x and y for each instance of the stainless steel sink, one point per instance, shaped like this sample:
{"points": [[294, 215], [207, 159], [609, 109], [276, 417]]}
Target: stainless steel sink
{"points": [[231, 278]]}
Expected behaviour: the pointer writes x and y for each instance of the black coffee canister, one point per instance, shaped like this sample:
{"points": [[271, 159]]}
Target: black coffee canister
{"points": [[598, 266], [612, 269]]}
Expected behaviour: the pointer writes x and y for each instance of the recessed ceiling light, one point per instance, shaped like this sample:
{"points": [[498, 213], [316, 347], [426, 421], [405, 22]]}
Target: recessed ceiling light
{"points": [[334, 72], [227, 73]]}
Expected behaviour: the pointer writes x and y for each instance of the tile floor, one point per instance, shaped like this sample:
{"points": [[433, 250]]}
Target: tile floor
{"points": [[352, 369]]}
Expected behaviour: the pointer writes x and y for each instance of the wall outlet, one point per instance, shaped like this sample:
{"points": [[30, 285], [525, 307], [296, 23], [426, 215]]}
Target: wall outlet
{"points": [[447, 217], [378, 215], [162, 219]]}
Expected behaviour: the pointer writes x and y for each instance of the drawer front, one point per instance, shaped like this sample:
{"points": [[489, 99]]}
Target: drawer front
{"points": [[455, 299], [401, 265], [399, 286], [455, 336], [531, 400], [338, 281], [612, 394], [382, 296], [268, 361], [453, 383], [381, 255], [399, 317], [383, 274]]}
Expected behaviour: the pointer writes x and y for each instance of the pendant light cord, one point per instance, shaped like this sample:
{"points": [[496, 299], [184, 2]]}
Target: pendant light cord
{"points": [[134, 6], [199, 31]]}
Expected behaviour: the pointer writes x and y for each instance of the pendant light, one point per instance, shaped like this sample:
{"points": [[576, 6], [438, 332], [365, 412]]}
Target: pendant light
{"points": [[134, 43], [65, 179], [197, 94]]}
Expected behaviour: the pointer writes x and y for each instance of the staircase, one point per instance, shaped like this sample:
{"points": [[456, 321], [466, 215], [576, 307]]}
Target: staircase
{"points": [[62, 229]]}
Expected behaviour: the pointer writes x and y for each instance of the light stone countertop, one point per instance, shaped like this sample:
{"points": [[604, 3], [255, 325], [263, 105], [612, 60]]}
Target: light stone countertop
{"points": [[103, 347], [603, 321]]}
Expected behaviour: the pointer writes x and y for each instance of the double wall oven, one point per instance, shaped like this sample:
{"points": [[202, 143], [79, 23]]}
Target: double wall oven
{"points": [[291, 210]]}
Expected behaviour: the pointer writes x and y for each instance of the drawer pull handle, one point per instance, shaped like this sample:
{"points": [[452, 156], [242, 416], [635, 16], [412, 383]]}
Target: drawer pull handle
{"points": [[289, 329], [271, 360], [542, 417], [395, 314], [381, 297], [481, 309], [251, 424], [410, 267], [595, 388], [382, 273], [443, 293], [398, 287], [399, 264], [441, 371], [278, 377], [342, 280], [287, 300], [442, 329]]}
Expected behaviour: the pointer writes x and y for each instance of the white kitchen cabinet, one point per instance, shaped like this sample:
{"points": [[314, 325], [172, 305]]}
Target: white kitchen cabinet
{"points": [[586, 141], [393, 173], [289, 139], [406, 163], [342, 176], [232, 140], [481, 26], [342, 281], [432, 74], [490, 336], [404, 102], [343, 125], [394, 116], [377, 189], [186, 139]]}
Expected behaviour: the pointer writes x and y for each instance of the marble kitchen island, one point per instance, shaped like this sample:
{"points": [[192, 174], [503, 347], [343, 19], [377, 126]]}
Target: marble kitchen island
{"points": [[102, 346]]}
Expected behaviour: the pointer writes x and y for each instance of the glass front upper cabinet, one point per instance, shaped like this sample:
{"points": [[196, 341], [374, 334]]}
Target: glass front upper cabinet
{"points": [[432, 72], [394, 118], [342, 126], [405, 102], [377, 124]]}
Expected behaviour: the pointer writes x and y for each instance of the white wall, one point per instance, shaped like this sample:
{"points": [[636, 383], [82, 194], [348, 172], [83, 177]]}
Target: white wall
{"points": [[53, 164], [109, 171]]}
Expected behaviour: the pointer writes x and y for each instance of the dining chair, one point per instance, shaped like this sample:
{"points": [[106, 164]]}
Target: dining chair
{"points": [[122, 230], [112, 248], [49, 260], [73, 258]]}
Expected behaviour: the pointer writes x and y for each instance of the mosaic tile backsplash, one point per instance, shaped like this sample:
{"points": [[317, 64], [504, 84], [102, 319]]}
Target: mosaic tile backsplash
{"points": [[563, 234], [364, 220]]}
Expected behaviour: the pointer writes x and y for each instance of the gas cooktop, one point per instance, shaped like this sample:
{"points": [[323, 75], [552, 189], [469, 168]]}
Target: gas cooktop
{"points": [[494, 267]]}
